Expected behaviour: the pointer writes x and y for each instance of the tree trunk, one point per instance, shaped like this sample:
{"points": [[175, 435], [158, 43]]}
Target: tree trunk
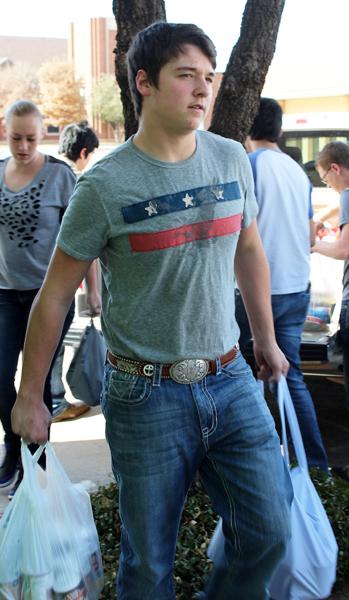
{"points": [[243, 81], [131, 16], [238, 97]]}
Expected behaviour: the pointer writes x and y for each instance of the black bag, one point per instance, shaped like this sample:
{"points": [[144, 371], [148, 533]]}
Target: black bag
{"points": [[85, 373]]}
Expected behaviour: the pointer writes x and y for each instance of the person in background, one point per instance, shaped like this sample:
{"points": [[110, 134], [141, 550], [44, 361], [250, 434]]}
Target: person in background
{"points": [[77, 144], [285, 223], [169, 213], [332, 165], [34, 192]]}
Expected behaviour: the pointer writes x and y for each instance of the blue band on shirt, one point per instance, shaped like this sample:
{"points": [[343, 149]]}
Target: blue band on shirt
{"points": [[184, 200]]}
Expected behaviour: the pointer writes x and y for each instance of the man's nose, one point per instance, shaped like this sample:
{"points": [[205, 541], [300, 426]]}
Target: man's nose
{"points": [[202, 88]]}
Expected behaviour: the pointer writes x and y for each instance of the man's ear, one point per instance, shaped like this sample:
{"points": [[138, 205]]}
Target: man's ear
{"points": [[143, 83], [83, 153]]}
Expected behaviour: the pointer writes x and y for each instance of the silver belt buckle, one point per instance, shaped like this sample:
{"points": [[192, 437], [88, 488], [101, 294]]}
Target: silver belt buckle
{"points": [[191, 370]]}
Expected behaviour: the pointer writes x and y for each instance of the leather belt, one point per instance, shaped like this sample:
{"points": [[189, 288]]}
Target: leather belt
{"points": [[190, 370]]}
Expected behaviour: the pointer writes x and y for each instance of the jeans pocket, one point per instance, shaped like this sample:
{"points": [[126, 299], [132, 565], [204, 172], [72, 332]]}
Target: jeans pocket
{"points": [[237, 368], [127, 389]]}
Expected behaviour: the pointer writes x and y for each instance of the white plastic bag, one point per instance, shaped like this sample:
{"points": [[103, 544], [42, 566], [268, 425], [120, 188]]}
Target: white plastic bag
{"points": [[49, 545], [308, 570]]}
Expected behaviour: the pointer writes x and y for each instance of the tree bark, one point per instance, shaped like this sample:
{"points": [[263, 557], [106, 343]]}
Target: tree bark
{"points": [[243, 81], [131, 16], [238, 97]]}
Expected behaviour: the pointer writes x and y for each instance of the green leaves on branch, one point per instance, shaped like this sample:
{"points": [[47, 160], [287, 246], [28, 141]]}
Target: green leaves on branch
{"points": [[106, 102]]}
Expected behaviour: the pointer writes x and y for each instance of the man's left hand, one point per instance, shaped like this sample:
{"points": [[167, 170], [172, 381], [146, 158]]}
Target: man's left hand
{"points": [[271, 362]]}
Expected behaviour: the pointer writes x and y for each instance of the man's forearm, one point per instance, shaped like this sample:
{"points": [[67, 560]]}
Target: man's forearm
{"points": [[336, 250], [252, 271], [30, 417], [43, 333]]}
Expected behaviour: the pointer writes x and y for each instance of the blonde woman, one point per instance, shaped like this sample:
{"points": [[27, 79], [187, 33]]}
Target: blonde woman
{"points": [[34, 192]]}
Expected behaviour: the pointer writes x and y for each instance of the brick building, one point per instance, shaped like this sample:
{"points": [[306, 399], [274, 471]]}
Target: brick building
{"points": [[90, 49]]}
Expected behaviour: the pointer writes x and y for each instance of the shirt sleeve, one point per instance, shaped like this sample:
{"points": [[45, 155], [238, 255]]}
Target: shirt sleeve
{"points": [[247, 183], [344, 208], [85, 228]]}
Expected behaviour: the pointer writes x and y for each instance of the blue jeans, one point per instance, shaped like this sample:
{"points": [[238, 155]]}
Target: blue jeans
{"points": [[344, 341], [289, 312], [15, 307], [162, 433]]}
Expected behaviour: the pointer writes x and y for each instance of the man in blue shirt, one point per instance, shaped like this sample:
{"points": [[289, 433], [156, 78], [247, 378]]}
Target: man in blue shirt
{"points": [[285, 224]]}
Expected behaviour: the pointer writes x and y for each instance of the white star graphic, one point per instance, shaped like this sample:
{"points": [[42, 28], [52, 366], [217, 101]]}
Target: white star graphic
{"points": [[151, 209], [219, 194], [188, 200]]}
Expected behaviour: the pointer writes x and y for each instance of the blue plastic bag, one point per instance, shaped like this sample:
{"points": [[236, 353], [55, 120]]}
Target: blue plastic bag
{"points": [[308, 569]]}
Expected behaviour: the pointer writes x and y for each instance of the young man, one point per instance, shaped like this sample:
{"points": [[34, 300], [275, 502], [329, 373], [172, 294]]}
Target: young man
{"points": [[285, 224], [333, 167], [167, 212]]}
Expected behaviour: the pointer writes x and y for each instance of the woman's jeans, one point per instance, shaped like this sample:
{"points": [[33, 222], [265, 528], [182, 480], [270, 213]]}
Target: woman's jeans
{"points": [[344, 341], [15, 307], [289, 313], [162, 433]]}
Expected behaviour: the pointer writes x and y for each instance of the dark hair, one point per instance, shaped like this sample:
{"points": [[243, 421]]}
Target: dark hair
{"points": [[74, 138], [156, 45], [267, 122], [333, 152], [21, 108]]}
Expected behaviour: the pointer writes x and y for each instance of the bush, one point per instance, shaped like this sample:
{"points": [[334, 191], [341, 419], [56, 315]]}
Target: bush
{"points": [[334, 493], [198, 522]]}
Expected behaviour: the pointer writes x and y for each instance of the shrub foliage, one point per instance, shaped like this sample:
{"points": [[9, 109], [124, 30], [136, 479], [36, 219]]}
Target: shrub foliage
{"points": [[198, 522]]}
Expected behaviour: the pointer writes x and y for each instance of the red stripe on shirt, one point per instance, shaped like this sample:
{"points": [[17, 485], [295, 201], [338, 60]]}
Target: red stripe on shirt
{"points": [[159, 240]]}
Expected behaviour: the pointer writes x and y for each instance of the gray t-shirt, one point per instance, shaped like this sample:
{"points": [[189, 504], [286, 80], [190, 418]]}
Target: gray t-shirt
{"points": [[30, 221], [344, 220], [166, 235]]}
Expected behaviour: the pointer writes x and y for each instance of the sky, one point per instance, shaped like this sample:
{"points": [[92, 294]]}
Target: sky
{"points": [[311, 50]]}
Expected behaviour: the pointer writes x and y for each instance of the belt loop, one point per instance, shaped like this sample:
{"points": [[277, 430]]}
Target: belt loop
{"points": [[218, 366], [157, 375]]}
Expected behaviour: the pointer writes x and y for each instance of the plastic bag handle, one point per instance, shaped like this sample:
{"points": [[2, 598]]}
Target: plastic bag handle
{"points": [[287, 410], [53, 465], [53, 461], [29, 462]]}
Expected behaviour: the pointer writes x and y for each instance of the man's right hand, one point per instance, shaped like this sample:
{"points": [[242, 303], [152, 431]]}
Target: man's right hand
{"points": [[30, 419]]}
